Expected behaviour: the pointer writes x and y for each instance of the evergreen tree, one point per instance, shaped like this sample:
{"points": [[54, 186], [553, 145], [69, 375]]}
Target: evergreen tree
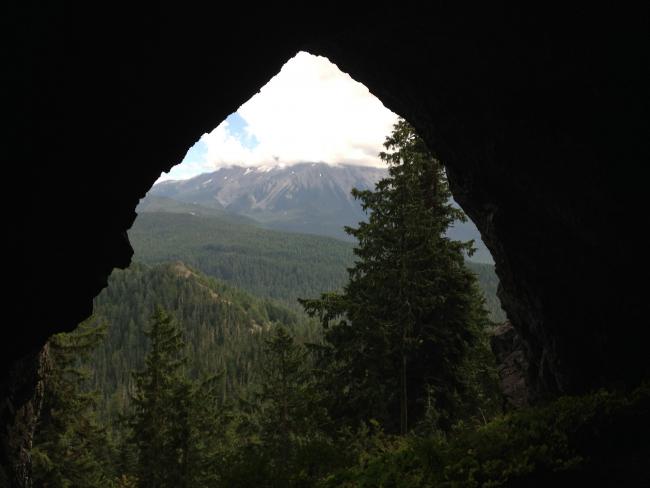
{"points": [[411, 311], [204, 442], [289, 416], [70, 447], [161, 407], [286, 443], [174, 418]]}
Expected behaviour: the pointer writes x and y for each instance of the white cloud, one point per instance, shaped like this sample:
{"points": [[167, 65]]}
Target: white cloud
{"points": [[310, 111]]}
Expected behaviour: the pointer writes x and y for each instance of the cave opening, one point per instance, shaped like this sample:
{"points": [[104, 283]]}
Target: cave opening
{"points": [[509, 98], [262, 197]]}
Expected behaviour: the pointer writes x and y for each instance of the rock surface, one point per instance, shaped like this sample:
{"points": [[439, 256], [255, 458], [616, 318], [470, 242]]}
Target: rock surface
{"points": [[512, 366], [22, 399], [541, 117]]}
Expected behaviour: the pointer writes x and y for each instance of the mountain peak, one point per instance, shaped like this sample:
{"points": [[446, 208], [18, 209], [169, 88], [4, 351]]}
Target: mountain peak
{"points": [[308, 197], [311, 197]]}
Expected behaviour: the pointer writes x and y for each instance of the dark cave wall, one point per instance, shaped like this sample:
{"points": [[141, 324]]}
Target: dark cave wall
{"points": [[540, 117], [22, 399]]}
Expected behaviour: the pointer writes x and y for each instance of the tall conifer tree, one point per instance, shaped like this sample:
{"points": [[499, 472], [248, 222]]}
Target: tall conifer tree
{"points": [[173, 423], [411, 310], [290, 416], [161, 407]]}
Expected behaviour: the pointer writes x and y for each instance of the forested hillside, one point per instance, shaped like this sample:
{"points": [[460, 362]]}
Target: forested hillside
{"points": [[279, 265], [272, 264], [488, 282], [309, 198], [163, 204], [224, 328]]}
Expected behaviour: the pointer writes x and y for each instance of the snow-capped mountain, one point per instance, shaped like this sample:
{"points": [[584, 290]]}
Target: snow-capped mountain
{"points": [[311, 198], [307, 197]]}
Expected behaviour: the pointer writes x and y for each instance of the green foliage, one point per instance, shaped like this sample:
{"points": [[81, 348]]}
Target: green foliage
{"points": [[224, 329], [172, 416], [286, 444], [70, 447], [291, 418], [160, 404], [281, 438], [277, 265], [593, 440], [488, 283], [411, 313]]}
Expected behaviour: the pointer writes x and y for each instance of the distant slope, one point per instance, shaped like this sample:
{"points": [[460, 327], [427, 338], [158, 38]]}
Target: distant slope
{"points": [[278, 265], [224, 328], [465, 231], [488, 282], [311, 198], [153, 203]]}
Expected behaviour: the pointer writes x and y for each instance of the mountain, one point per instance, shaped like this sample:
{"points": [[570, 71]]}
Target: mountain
{"points": [[282, 266], [310, 198]]}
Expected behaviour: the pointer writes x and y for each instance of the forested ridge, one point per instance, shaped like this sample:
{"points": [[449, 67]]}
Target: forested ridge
{"points": [[277, 265], [224, 328]]}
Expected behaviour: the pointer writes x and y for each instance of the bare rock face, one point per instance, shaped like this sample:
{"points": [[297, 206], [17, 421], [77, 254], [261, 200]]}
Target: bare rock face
{"points": [[512, 366], [540, 116]]}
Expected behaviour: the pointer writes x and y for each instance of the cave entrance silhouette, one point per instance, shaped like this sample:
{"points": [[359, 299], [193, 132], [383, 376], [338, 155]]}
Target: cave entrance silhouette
{"points": [[529, 109]]}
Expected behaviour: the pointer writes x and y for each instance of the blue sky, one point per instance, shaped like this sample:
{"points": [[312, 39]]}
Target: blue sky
{"points": [[309, 112], [237, 127]]}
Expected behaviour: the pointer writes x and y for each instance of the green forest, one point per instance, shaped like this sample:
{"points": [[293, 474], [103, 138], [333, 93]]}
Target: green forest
{"points": [[281, 266], [272, 264], [224, 328], [228, 355]]}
